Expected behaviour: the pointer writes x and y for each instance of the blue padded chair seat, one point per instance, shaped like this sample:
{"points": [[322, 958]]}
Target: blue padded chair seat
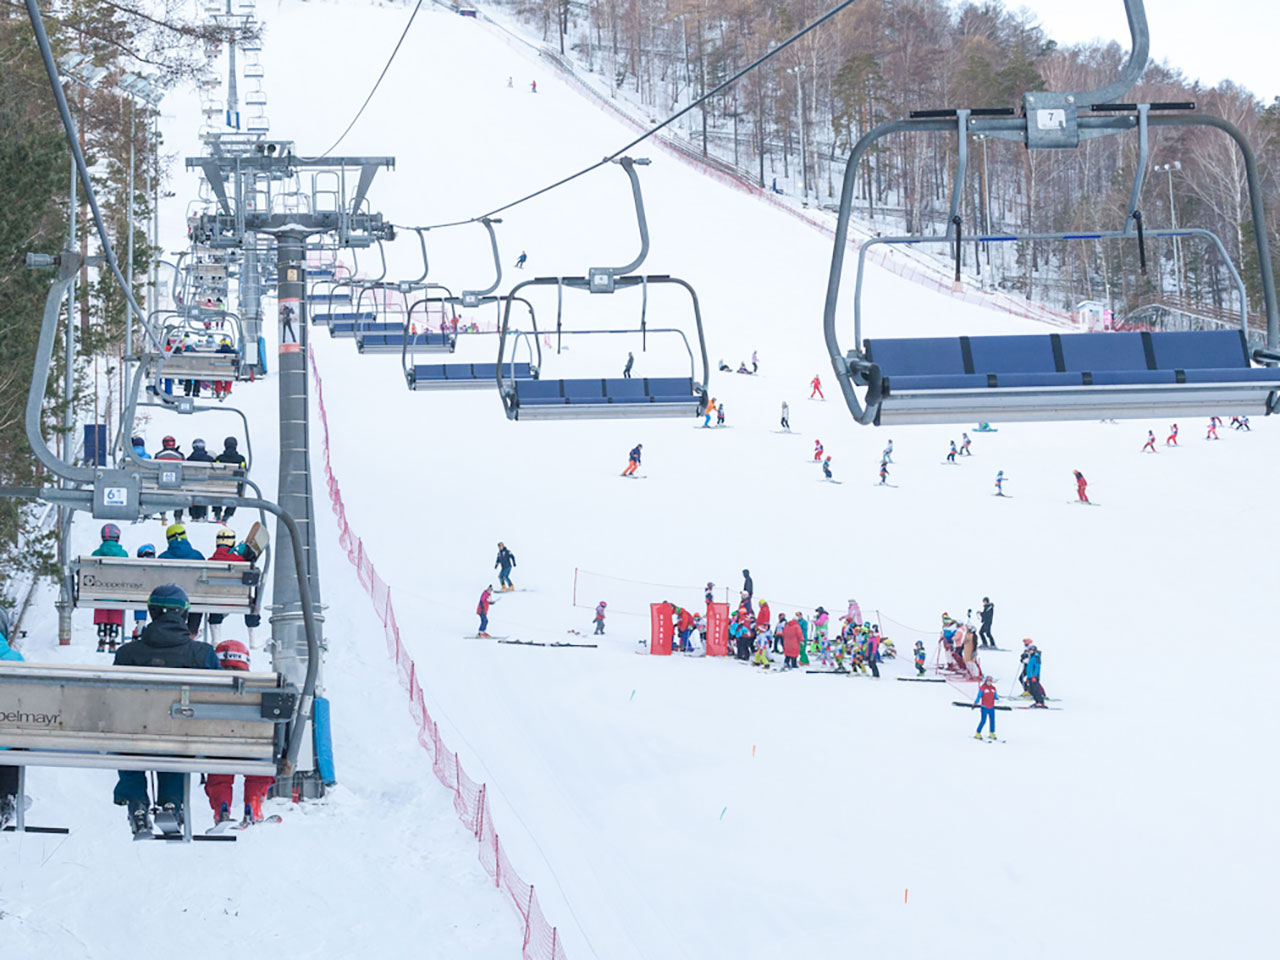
{"points": [[337, 329], [1115, 378], [624, 389], [1075, 379], [1017, 354], [953, 381], [583, 391], [917, 357], [669, 389], [1103, 351], [1253, 374], [539, 391], [1200, 349], [458, 371], [484, 371], [522, 370], [428, 371], [375, 340]]}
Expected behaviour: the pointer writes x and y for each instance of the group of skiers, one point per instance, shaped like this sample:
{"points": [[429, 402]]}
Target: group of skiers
{"points": [[110, 623], [187, 344], [169, 450], [503, 563], [1211, 432]]}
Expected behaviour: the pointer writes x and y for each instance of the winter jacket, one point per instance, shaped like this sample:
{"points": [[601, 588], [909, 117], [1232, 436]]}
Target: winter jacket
{"points": [[1033, 665], [988, 611], [174, 454], [165, 642], [200, 456], [230, 454], [485, 600], [747, 585], [506, 559], [181, 549], [110, 548], [600, 611], [685, 621], [763, 614], [804, 627], [7, 652], [792, 637], [229, 554], [634, 454], [140, 452], [987, 695]]}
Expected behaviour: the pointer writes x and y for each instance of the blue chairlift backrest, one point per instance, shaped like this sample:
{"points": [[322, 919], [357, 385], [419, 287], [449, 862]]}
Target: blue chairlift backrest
{"points": [[1011, 354], [1200, 349], [1103, 352], [917, 356]]}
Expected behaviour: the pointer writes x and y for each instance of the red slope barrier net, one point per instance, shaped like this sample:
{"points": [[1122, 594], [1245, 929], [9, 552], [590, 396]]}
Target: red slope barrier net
{"points": [[541, 940]]}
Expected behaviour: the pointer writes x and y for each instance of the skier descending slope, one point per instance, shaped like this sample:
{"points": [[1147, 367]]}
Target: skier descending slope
{"points": [[503, 564], [826, 468], [1081, 485], [633, 460], [887, 454], [816, 384], [964, 446], [1212, 432], [951, 455], [786, 417], [1000, 483], [987, 698], [482, 608], [817, 451], [1172, 439], [1150, 444]]}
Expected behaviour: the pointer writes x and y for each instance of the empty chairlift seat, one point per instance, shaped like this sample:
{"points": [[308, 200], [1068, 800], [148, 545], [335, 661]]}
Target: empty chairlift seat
{"points": [[350, 328], [326, 318], [606, 398], [1069, 376], [474, 376], [395, 342]]}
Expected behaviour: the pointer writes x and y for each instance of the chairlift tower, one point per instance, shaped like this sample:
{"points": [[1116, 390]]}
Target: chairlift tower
{"points": [[252, 200]]}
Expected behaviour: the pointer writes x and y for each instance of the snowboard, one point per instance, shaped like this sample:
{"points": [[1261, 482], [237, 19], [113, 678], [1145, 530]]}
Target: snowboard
{"points": [[256, 543]]}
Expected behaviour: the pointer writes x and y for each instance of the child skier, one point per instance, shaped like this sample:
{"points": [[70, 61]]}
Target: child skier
{"points": [[951, 455], [1151, 442], [887, 454], [919, 655], [1033, 676], [599, 619], [884, 472], [1172, 439], [482, 608], [786, 417], [1212, 432], [987, 698], [817, 451], [964, 446], [720, 416], [234, 655], [826, 468], [110, 623], [1081, 484], [999, 483], [816, 384]]}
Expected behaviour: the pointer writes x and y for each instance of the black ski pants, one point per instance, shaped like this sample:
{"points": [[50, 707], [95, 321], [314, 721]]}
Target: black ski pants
{"points": [[984, 635]]}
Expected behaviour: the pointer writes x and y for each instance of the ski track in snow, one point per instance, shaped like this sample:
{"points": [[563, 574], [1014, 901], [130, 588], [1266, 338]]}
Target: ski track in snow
{"points": [[1139, 817]]}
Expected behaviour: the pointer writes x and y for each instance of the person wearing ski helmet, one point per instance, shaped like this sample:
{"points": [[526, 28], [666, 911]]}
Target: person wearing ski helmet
{"points": [[169, 451], [599, 620], [225, 552], [109, 623], [199, 455], [1032, 670], [165, 642], [180, 548], [986, 699], [1022, 675], [145, 552], [232, 456], [218, 787]]}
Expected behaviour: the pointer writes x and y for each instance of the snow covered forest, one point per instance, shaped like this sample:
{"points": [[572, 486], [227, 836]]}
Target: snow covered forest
{"points": [[791, 125]]}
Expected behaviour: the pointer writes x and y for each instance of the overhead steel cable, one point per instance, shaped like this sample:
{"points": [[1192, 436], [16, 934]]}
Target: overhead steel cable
{"points": [[404, 33], [764, 58]]}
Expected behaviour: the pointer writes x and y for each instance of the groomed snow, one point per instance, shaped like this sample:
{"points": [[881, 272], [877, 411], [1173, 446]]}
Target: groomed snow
{"points": [[674, 807]]}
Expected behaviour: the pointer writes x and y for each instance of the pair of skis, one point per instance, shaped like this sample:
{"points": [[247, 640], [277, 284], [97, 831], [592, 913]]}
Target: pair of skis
{"points": [[222, 826]]}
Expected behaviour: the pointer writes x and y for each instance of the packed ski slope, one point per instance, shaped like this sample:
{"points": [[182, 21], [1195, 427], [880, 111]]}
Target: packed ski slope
{"points": [[682, 807]]}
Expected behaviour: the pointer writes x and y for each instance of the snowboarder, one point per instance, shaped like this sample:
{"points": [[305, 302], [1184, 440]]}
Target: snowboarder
{"points": [[816, 384], [817, 451], [1032, 670], [631, 360], [1151, 442], [988, 614], [987, 698], [482, 608], [919, 656], [599, 618], [520, 260], [110, 623], [999, 483], [1172, 439], [826, 468], [1081, 484], [887, 454], [1212, 432], [503, 564], [633, 460], [951, 455], [964, 446], [786, 417], [166, 642], [720, 415], [234, 655]]}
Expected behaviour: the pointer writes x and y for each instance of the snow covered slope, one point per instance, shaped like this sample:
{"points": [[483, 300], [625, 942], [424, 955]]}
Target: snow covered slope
{"points": [[689, 808]]}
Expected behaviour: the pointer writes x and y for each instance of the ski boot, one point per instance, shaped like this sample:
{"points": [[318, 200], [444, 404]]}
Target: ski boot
{"points": [[482, 634], [141, 823], [253, 810], [223, 814], [169, 820], [102, 645], [991, 735], [978, 735]]}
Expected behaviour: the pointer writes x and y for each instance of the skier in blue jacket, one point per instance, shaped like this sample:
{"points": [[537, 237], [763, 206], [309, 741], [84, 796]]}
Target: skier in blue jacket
{"points": [[181, 549], [1033, 676]]}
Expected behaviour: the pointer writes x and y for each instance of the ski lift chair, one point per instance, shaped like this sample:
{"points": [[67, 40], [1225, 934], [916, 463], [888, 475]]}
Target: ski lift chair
{"points": [[1058, 376]]}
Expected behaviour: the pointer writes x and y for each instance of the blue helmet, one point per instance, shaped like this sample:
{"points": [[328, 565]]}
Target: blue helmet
{"points": [[167, 598], [147, 550]]}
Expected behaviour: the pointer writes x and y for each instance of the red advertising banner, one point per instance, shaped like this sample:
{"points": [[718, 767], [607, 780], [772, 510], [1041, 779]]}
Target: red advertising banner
{"points": [[717, 629], [660, 629]]}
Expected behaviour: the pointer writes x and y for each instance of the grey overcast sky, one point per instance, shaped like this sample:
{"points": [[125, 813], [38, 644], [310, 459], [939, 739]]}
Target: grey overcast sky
{"points": [[1209, 40]]}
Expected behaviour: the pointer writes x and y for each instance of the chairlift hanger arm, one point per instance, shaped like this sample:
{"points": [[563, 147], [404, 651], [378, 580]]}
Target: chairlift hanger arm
{"points": [[628, 165]]}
